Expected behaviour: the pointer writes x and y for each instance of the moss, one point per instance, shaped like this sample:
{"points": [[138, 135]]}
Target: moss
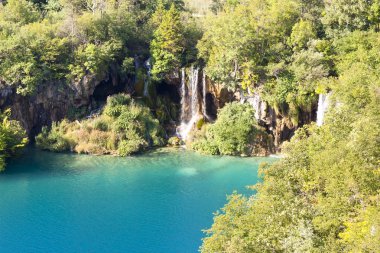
{"points": [[200, 123]]}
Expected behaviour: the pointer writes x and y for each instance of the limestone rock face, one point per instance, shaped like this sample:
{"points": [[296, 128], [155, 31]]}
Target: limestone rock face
{"points": [[56, 100], [278, 126], [49, 103]]}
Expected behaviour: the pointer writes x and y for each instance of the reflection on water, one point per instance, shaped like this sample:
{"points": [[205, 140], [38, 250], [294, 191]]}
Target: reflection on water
{"points": [[188, 172]]}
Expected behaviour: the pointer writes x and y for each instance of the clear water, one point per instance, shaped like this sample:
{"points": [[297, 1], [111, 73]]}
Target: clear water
{"points": [[157, 203]]}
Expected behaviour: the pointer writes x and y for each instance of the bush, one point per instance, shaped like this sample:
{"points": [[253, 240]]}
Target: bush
{"points": [[124, 128], [53, 140], [101, 125], [206, 147], [235, 132], [131, 146], [12, 137]]}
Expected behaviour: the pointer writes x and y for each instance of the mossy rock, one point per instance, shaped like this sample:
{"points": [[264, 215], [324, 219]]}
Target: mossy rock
{"points": [[174, 141], [200, 123]]}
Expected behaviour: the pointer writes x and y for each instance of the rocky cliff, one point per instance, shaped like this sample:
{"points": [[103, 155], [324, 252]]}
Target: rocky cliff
{"points": [[55, 100]]}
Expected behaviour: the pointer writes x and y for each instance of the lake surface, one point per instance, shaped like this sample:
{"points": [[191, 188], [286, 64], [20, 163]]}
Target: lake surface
{"points": [[156, 203]]}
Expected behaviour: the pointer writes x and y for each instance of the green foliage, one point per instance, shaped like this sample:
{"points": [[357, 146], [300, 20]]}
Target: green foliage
{"points": [[19, 11], [167, 45], [12, 137], [259, 45], [227, 41], [235, 132], [323, 195], [123, 128], [302, 33], [54, 138], [374, 14], [94, 59], [70, 39], [345, 16]]}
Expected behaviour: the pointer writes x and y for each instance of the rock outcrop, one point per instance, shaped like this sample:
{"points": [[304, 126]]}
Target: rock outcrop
{"points": [[53, 101]]}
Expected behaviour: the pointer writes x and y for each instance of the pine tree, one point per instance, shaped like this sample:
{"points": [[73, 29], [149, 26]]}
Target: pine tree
{"points": [[167, 45], [158, 14]]}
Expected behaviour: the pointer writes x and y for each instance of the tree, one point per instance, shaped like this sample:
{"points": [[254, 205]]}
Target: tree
{"points": [[12, 137], [167, 45], [19, 11], [345, 16], [374, 15], [323, 196], [302, 33]]}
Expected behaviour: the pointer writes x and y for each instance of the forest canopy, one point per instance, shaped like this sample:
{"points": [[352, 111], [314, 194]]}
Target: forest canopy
{"points": [[66, 40]]}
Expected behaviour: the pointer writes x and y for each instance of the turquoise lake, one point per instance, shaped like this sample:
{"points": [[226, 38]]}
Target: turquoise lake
{"points": [[158, 202]]}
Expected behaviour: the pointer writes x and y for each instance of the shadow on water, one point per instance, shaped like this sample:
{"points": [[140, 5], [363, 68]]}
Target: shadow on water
{"points": [[37, 162]]}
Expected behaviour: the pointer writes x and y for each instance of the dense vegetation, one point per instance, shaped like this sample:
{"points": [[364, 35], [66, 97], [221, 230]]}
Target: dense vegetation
{"points": [[323, 196], [282, 50], [12, 137], [124, 127], [235, 132], [43, 41]]}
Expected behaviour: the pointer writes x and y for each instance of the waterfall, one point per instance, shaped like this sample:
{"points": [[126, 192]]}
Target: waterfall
{"points": [[189, 102], [323, 105], [256, 102], [147, 80], [194, 92], [183, 95], [204, 87]]}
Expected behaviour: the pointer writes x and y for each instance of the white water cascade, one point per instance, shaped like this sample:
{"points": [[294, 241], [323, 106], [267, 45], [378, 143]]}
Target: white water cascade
{"points": [[204, 94], [190, 101], [147, 80], [323, 105], [183, 95], [194, 92], [256, 102]]}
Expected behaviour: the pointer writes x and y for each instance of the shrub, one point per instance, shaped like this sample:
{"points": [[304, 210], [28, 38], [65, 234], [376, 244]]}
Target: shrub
{"points": [[131, 146], [206, 147], [12, 137], [53, 140], [235, 132], [99, 137], [124, 128], [101, 125]]}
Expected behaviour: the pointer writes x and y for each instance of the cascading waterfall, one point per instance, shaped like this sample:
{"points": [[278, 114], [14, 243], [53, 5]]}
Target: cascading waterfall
{"points": [[147, 80], [256, 102], [183, 95], [194, 92], [323, 105], [190, 98], [204, 87]]}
